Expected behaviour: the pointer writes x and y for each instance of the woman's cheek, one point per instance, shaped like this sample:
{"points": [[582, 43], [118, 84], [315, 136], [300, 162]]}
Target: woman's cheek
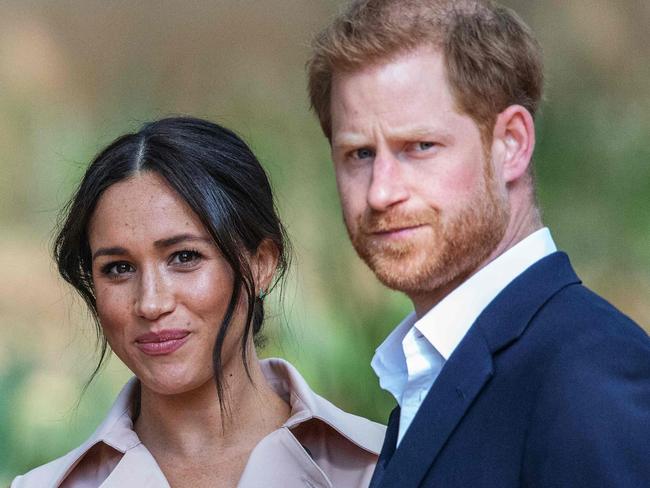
{"points": [[208, 293], [113, 311]]}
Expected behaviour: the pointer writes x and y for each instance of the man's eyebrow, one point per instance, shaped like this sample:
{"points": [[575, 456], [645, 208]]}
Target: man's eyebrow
{"points": [[177, 239], [346, 140], [423, 132]]}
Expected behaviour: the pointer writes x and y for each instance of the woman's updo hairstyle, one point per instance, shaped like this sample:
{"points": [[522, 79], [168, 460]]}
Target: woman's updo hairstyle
{"points": [[221, 180]]}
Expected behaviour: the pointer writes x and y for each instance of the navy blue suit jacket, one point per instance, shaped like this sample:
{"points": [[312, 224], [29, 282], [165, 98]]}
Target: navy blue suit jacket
{"points": [[549, 388]]}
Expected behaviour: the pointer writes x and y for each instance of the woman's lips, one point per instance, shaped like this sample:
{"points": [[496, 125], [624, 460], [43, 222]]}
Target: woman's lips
{"points": [[162, 342]]}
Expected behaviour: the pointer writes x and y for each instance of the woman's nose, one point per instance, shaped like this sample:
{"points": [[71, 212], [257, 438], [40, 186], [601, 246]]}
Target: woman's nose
{"points": [[155, 297]]}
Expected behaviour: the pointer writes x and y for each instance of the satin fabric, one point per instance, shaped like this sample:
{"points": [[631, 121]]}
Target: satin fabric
{"points": [[319, 446]]}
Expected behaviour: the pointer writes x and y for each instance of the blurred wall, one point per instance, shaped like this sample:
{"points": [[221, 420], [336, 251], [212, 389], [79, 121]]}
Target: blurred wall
{"points": [[75, 74]]}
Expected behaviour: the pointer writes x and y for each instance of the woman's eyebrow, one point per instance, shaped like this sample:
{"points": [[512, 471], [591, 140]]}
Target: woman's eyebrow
{"points": [[109, 251], [172, 241], [160, 244]]}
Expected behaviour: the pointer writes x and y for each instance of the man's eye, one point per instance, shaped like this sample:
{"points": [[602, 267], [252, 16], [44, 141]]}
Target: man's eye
{"points": [[363, 153], [185, 257], [420, 146]]}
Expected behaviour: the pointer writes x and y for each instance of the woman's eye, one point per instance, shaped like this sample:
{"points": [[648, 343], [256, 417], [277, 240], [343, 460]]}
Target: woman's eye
{"points": [[117, 269], [185, 257]]}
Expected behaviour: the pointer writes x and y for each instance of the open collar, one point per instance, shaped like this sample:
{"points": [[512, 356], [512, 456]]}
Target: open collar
{"points": [[280, 450], [445, 325], [306, 405], [469, 368]]}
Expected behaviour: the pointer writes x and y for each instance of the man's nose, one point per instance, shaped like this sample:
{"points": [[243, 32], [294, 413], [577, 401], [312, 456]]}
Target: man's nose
{"points": [[388, 186], [155, 297]]}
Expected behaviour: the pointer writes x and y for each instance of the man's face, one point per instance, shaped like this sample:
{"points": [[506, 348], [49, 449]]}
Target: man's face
{"points": [[421, 200]]}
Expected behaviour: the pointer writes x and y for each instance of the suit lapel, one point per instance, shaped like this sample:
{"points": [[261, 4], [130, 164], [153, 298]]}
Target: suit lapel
{"points": [[462, 378], [388, 448], [507, 317], [470, 367]]}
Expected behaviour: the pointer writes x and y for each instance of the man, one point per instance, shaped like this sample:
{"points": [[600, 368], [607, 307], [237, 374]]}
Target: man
{"points": [[509, 372]]}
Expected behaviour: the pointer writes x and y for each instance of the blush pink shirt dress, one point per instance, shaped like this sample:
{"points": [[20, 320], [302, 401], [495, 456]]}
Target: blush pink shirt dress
{"points": [[319, 446]]}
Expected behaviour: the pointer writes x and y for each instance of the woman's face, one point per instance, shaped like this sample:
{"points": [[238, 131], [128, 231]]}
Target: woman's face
{"points": [[161, 284]]}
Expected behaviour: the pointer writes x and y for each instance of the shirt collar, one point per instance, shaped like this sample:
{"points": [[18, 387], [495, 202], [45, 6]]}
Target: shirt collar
{"points": [[117, 428], [306, 405], [389, 362], [445, 325]]}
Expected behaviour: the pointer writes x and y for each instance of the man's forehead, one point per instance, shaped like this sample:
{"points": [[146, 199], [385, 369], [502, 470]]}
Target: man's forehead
{"points": [[414, 76]]}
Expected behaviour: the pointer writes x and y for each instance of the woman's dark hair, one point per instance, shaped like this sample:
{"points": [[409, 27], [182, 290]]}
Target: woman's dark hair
{"points": [[221, 180]]}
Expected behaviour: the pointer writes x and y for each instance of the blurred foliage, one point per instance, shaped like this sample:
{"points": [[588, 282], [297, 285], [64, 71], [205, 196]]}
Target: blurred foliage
{"points": [[75, 74]]}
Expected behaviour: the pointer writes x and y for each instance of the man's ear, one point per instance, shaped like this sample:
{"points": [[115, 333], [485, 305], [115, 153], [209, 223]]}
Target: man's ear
{"points": [[514, 133], [264, 264]]}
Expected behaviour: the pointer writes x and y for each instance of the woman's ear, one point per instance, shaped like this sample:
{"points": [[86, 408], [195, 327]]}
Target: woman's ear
{"points": [[514, 133], [264, 264]]}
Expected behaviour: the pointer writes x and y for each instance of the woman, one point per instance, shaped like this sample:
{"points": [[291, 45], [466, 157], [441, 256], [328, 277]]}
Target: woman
{"points": [[173, 241]]}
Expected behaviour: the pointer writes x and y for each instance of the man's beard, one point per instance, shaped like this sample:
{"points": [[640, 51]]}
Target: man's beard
{"points": [[456, 247]]}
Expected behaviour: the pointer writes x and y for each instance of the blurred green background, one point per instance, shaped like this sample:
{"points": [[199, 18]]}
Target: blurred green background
{"points": [[74, 74]]}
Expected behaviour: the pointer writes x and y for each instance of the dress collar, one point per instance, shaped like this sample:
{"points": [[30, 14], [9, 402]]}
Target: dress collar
{"points": [[117, 428], [306, 405]]}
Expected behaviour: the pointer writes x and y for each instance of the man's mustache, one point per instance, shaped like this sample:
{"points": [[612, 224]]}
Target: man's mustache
{"points": [[373, 222]]}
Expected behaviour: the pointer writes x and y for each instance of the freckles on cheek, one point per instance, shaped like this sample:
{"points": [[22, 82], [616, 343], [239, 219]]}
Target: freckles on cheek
{"points": [[209, 295], [111, 308]]}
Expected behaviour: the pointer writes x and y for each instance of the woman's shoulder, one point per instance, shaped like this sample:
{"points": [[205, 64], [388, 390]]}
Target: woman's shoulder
{"points": [[115, 430], [50, 474]]}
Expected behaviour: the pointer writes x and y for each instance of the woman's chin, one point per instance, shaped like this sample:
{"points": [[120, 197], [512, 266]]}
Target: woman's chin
{"points": [[170, 384]]}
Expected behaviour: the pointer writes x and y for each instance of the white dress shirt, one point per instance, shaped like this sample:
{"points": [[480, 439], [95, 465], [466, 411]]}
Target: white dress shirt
{"points": [[410, 359]]}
